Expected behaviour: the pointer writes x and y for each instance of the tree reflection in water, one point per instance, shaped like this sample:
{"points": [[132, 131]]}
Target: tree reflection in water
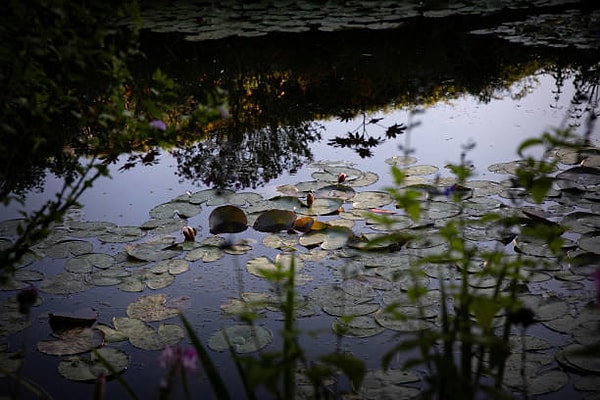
{"points": [[249, 159]]}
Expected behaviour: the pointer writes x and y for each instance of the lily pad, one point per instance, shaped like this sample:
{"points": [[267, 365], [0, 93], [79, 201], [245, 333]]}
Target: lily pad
{"points": [[65, 283], [181, 209], [359, 326], [86, 263], [151, 308], [64, 248], [121, 234], [227, 219], [243, 338], [76, 341], [82, 369], [275, 220], [151, 251]]}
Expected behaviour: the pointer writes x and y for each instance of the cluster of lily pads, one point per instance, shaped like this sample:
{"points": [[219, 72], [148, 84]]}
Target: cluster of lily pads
{"points": [[338, 230]]}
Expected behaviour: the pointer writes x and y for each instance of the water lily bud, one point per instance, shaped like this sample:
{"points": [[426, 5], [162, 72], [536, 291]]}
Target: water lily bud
{"points": [[189, 233], [342, 177], [310, 199]]}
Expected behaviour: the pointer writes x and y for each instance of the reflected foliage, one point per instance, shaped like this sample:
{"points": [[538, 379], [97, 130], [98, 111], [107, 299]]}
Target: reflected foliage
{"points": [[250, 160], [274, 85]]}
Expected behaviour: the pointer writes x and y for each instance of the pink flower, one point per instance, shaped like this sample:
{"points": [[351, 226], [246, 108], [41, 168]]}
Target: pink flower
{"points": [[158, 124], [177, 359]]}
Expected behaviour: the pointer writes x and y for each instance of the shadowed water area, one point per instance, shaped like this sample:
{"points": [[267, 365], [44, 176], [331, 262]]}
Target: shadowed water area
{"points": [[273, 100]]}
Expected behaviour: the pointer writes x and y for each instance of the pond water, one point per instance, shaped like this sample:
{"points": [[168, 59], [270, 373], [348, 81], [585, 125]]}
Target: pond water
{"points": [[436, 129]]}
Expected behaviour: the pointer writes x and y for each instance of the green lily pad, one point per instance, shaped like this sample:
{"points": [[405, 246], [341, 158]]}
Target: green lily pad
{"points": [[389, 384], [227, 219], [243, 338], [121, 234], [370, 199], [151, 308], [404, 323], [164, 225], [86, 263], [181, 209], [144, 336], [82, 369], [76, 341], [63, 249], [152, 251], [325, 206], [65, 283], [205, 253], [359, 326]]}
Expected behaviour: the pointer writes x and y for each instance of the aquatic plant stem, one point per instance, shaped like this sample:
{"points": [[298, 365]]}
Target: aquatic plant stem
{"points": [[219, 388]]}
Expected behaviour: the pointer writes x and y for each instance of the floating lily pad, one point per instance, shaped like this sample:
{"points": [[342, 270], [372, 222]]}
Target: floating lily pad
{"points": [[403, 322], [579, 178], [330, 239], [227, 219], [181, 209], [86, 263], [82, 369], [401, 161], [65, 248], [76, 341], [85, 229], [243, 338], [65, 283], [590, 242], [121, 234], [359, 326], [9, 362], [205, 253], [326, 206], [144, 336], [370, 199], [164, 225], [150, 251], [151, 308], [389, 384], [339, 191], [275, 220]]}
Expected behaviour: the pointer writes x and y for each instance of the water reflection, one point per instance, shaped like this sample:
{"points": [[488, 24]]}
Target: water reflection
{"points": [[276, 86], [249, 159]]}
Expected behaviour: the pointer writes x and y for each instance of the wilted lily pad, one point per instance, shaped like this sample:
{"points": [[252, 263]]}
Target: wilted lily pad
{"points": [[82, 369], [227, 219], [243, 338]]}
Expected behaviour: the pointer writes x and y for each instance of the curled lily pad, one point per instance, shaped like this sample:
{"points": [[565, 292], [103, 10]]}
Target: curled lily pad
{"points": [[82, 369], [243, 338], [275, 220], [227, 219]]}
